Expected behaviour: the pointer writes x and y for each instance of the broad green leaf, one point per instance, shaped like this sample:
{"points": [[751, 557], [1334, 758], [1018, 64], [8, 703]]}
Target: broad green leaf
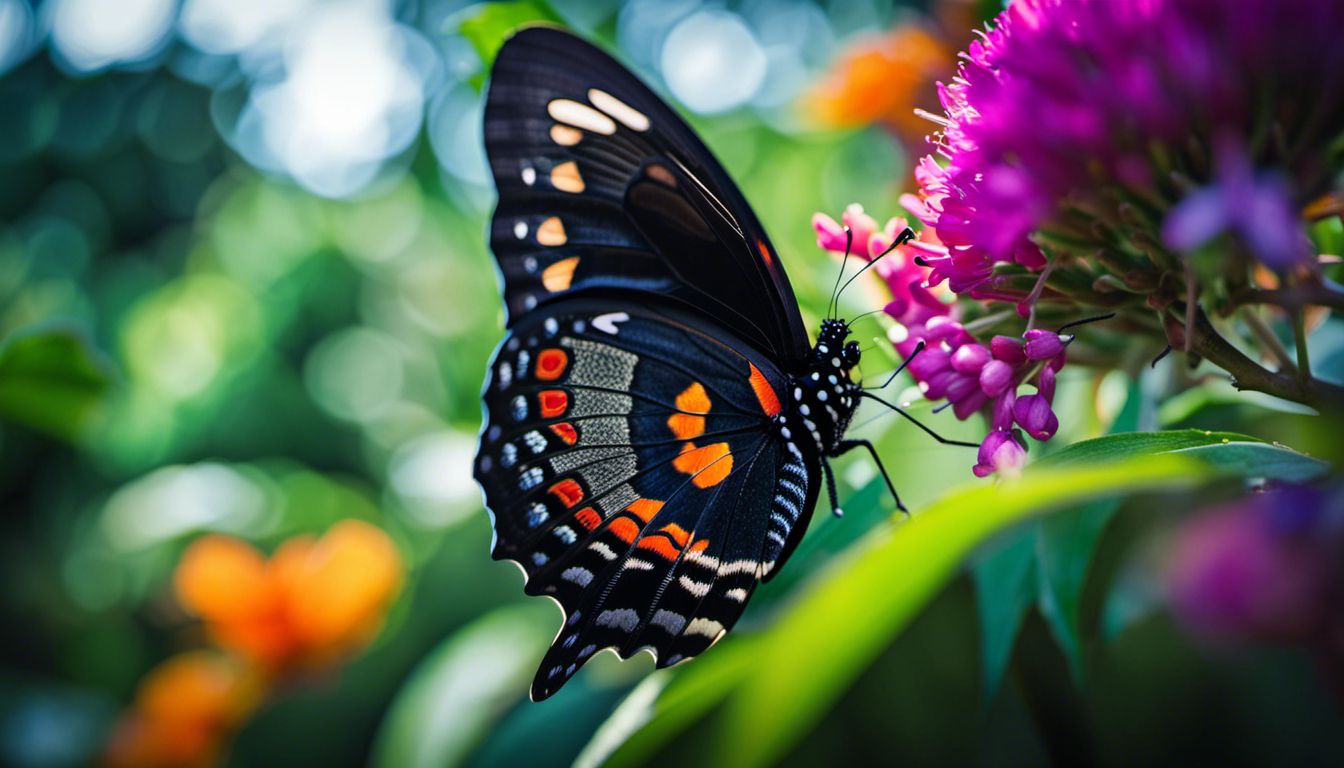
{"points": [[51, 381], [1065, 545], [450, 702], [1005, 587], [1126, 444], [643, 727], [1255, 459], [835, 630]]}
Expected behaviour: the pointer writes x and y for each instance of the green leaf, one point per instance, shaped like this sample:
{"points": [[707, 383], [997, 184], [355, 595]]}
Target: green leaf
{"points": [[52, 381], [835, 630], [641, 727], [1065, 545], [452, 700], [1256, 459], [1005, 587], [1127, 444], [487, 25]]}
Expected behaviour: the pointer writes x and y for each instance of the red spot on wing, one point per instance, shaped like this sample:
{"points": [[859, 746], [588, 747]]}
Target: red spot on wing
{"points": [[568, 491], [565, 431], [554, 402], [588, 517], [551, 364]]}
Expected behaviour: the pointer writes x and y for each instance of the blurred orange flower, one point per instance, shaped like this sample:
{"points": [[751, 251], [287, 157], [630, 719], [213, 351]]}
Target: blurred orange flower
{"points": [[882, 78], [184, 710], [314, 602]]}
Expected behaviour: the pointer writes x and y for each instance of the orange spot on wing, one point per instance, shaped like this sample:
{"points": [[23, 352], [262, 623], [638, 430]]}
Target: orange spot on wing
{"points": [[765, 394], [551, 365], [708, 465], [699, 545], [624, 528], [645, 509], [660, 546], [565, 431], [694, 401], [588, 517], [765, 253], [677, 533], [568, 491]]}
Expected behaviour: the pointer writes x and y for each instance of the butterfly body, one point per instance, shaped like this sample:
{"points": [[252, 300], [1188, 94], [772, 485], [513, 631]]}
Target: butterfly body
{"points": [[656, 419]]}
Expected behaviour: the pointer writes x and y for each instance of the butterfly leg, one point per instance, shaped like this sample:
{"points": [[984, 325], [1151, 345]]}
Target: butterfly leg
{"points": [[847, 445], [830, 489], [919, 423]]}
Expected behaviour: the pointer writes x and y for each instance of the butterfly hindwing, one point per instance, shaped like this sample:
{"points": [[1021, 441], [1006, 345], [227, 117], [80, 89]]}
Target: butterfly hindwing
{"points": [[632, 470], [603, 188]]}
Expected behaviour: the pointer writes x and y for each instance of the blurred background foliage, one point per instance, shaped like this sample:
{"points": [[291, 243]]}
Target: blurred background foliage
{"points": [[244, 292]]}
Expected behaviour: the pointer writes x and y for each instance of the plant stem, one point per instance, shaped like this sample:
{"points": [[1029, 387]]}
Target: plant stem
{"points": [[1246, 373], [1300, 336], [1267, 339]]}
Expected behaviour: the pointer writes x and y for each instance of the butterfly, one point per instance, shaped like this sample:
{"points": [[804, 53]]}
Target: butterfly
{"points": [[657, 420]]}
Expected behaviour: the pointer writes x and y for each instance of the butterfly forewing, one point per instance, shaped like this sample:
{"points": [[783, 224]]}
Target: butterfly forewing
{"points": [[604, 188], [631, 471]]}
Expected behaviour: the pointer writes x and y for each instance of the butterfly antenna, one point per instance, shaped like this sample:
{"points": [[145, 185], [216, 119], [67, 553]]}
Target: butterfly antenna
{"points": [[1084, 321], [833, 307], [901, 239]]}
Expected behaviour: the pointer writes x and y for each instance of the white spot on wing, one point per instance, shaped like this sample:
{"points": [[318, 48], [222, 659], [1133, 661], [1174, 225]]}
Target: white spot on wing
{"points": [[707, 627], [520, 230], [629, 116], [581, 116], [607, 323]]}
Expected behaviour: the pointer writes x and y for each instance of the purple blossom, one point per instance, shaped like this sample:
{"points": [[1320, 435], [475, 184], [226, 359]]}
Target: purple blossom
{"points": [[1264, 568], [1071, 106], [1000, 452], [1256, 207]]}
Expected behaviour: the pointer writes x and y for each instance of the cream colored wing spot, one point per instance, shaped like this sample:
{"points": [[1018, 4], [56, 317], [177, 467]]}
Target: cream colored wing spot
{"points": [[627, 115], [529, 176], [565, 177], [580, 116], [552, 232], [565, 136], [559, 275]]}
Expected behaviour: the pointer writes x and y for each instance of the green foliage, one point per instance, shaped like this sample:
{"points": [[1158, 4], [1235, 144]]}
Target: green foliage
{"points": [[52, 381]]}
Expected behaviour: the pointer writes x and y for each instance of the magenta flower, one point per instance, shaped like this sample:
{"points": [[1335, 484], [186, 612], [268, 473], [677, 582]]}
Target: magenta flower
{"points": [[1267, 568], [1087, 148]]}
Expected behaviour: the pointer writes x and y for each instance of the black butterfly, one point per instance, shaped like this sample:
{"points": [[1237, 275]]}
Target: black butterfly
{"points": [[657, 419]]}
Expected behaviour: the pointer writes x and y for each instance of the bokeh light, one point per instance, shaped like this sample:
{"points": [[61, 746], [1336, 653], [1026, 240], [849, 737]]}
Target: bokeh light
{"points": [[89, 35]]}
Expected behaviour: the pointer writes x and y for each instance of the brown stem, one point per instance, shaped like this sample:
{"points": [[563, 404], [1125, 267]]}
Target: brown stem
{"points": [[1246, 373], [1318, 294]]}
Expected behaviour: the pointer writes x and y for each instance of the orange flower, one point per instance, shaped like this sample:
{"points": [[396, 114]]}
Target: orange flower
{"points": [[184, 710], [882, 78], [314, 602]]}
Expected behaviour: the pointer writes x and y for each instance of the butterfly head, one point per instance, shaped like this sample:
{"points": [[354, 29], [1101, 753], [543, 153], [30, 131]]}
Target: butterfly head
{"points": [[832, 349]]}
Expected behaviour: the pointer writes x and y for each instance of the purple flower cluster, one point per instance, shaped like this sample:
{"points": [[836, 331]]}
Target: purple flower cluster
{"points": [[1067, 109], [953, 366], [1267, 568]]}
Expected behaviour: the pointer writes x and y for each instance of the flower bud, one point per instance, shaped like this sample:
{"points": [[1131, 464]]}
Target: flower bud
{"points": [[1042, 345], [1033, 414], [999, 453], [970, 358], [995, 377], [1003, 410], [1046, 384], [1007, 349]]}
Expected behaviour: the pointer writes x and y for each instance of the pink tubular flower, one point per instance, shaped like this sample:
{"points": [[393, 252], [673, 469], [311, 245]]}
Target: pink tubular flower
{"points": [[953, 366]]}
